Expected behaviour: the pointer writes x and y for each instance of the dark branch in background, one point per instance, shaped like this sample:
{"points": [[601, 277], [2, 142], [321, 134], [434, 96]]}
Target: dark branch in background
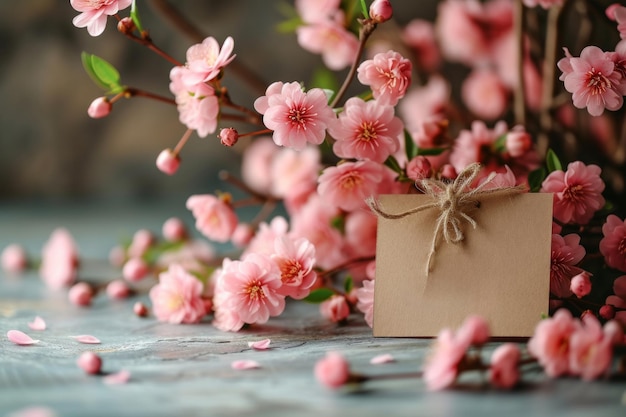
{"points": [[184, 26]]}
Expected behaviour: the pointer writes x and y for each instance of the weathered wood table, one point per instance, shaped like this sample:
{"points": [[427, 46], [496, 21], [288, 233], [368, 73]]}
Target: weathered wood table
{"points": [[185, 370]]}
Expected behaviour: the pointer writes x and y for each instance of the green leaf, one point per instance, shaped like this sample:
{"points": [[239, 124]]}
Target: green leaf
{"points": [[290, 25], [535, 179], [319, 295], [338, 222], [325, 79], [409, 145], [134, 15], [348, 284], [552, 161], [102, 73], [364, 9], [393, 163], [431, 151], [500, 144]]}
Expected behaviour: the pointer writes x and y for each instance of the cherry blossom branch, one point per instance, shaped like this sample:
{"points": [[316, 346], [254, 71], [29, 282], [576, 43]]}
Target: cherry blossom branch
{"points": [[146, 41], [253, 117], [345, 265], [135, 92], [519, 93], [230, 178]]}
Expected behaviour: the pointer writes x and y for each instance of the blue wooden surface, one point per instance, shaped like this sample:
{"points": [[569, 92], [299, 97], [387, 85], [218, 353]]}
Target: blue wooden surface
{"points": [[185, 370]]}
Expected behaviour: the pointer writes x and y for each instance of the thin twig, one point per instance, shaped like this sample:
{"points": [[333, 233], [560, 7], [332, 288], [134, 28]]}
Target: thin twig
{"points": [[519, 99]]}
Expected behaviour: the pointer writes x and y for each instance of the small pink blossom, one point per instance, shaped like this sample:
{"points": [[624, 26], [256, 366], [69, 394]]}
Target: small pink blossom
{"points": [[206, 60], [59, 260], [335, 309], [419, 168], [141, 242], [620, 17], [80, 294], [263, 240], [577, 192], [245, 364], [476, 145], [593, 81], [140, 309], [388, 74], [215, 218], [331, 40], [168, 162], [89, 362], [95, 12], [484, 94], [332, 371], [193, 255], [229, 136], [256, 164], [380, 11], [420, 36], [360, 233], [135, 269], [613, 243], [550, 343], [118, 290], [591, 352], [566, 253], [442, 366], [618, 300], [365, 304], [260, 344], [177, 298], [14, 259], [242, 235], [174, 230], [37, 324], [504, 371], [366, 130], [499, 179], [20, 338], [99, 108], [294, 173], [117, 256], [295, 259], [424, 104], [295, 116], [86, 339], [348, 185], [580, 284], [474, 330], [518, 142]]}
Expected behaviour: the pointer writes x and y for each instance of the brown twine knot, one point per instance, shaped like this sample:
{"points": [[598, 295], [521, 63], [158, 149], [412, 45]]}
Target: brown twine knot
{"points": [[454, 204]]}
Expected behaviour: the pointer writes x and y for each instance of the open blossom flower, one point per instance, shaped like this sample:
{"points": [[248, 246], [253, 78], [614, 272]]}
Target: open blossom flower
{"points": [[484, 94], [442, 366], [566, 253], [295, 116], [198, 106], [95, 12], [476, 145], [613, 244], [618, 300], [332, 371], [591, 350], [177, 298], [348, 185], [620, 17], [577, 192], [214, 218], [59, 260], [263, 240], [388, 74], [295, 259], [365, 304], [366, 130], [420, 36], [593, 82], [504, 370], [550, 343], [331, 40], [205, 60]]}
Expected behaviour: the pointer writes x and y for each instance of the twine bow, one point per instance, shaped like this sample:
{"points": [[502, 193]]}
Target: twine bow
{"points": [[454, 200]]}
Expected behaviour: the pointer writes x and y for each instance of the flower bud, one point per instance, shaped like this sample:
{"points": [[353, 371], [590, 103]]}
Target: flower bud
{"points": [[229, 136], [448, 172], [174, 230], [381, 11], [118, 290], [418, 168], [135, 269], [168, 162], [99, 108], [89, 362], [80, 294], [607, 312], [517, 142], [580, 284], [242, 235], [14, 259], [140, 309], [126, 25], [142, 240]]}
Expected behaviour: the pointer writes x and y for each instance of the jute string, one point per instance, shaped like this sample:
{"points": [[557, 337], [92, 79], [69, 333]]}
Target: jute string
{"points": [[455, 202]]}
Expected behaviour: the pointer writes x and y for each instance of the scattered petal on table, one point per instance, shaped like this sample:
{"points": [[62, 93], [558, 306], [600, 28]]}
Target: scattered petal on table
{"points": [[20, 338], [117, 378], [380, 359], [260, 344], [245, 364], [34, 411], [37, 324], [86, 338]]}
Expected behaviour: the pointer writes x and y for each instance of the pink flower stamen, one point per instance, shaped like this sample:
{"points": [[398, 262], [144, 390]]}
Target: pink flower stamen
{"points": [[597, 82], [255, 290]]}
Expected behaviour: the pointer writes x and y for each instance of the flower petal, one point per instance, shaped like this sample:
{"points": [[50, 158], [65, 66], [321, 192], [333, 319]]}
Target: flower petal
{"points": [[87, 339], [37, 324], [260, 344], [117, 378], [380, 359], [20, 338], [245, 364]]}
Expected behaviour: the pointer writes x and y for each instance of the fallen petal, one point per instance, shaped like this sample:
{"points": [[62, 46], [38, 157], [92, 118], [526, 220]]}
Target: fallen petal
{"points": [[20, 338], [34, 411], [37, 324], [245, 364], [260, 344], [88, 339], [117, 378], [380, 359]]}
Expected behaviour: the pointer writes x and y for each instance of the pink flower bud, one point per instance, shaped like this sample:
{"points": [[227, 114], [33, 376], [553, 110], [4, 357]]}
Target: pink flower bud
{"points": [[135, 269], [610, 11], [142, 240], [228, 136], [80, 294], [99, 108], [418, 168], [242, 235], [335, 308], [126, 25], [117, 256], [118, 290], [89, 362], [448, 172], [332, 371], [140, 309], [607, 312], [475, 330], [14, 259], [168, 162], [518, 142], [580, 284], [381, 11], [174, 230]]}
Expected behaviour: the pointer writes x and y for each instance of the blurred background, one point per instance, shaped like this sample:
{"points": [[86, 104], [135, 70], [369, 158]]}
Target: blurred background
{"points": [[52, 151]]}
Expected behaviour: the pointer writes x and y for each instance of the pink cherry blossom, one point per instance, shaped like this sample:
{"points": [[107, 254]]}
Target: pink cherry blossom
{"points": [[335, 309], [135, 269], [228, 136], [331, 40], [295, 259], [263, 240], [591, 351], [141, 242], [474, 330], [118, 289], [295, 116], [425, 103], [256, 164], [380, 11], [99, 108], [177, 298], [294, 173], [550, 343], [80, 294], [365, 304], [332, 371], [419, 168], [484, 94], [580, 284], [476, 145], [206, 60], [613, 244], [388, 74], [442, 366], [420, 36], [504, 371], [360, 233], [518, 142], [59, 260], [348, 185], [168, 162], [620, 17], [95, 12], [577, 192], [14, 259], [193, 255], [89, 362], [593, 81], [499, 179], [174, 230], [312, 11], [140, 309], [366, 130], [566, 253], [214, 218]]}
